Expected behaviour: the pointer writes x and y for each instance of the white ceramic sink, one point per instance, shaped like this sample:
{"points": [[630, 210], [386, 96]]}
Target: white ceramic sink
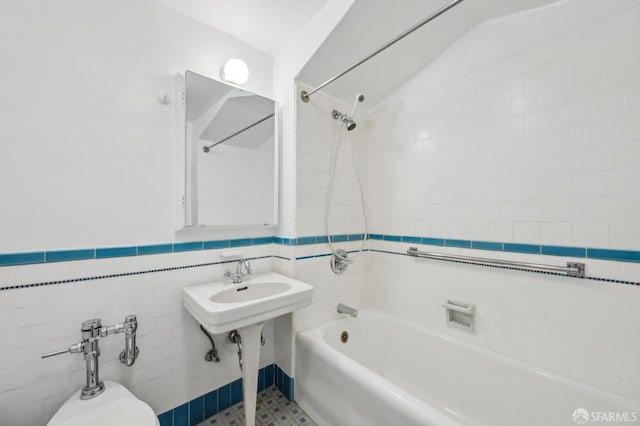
{"points": [[247, 292], [222, 306]]}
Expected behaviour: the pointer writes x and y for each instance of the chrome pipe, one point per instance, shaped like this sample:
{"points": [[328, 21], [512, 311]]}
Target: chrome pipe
{"points": [[90, 332], [212, 354], [131, 351], [573, 269], [305, 95]]}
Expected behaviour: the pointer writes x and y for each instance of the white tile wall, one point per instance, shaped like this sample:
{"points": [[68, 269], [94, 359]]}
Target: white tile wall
{"points": [[536, 146], [534, 142], [170, 369], [317, 132], [107, 175], [578, 328]]}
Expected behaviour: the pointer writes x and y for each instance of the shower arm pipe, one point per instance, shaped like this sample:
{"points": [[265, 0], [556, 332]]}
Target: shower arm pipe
{"points": [[207, 148], [573, 269], [306, 94]]}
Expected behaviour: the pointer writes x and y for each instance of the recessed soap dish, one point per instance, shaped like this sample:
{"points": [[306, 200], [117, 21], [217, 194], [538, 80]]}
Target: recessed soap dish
{"points": [[231, 255], [460, 314]]}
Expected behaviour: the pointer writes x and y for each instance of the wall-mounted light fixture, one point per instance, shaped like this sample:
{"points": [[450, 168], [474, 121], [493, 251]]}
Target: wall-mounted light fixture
{"points": [[235, 71]]}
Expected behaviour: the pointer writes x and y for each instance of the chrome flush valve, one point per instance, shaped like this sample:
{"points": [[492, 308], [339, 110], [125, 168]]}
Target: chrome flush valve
{"points": [[91, 331]]}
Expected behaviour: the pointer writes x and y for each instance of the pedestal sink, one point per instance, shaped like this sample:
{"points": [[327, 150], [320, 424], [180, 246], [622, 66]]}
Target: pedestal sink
{"points": [[222, 307]]}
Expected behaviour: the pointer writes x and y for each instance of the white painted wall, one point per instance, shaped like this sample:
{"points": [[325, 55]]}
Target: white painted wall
{"points": [[87, 160], [287, 64], [526, 130], [87, 157]]}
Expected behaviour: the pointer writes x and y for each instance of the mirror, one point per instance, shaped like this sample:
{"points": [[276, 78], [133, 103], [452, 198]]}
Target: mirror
{"points": [[231, 155]]}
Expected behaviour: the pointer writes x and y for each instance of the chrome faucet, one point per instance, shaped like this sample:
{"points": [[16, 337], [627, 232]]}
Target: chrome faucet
{"points": [[91, 331], [344, 309], [243, 268]]}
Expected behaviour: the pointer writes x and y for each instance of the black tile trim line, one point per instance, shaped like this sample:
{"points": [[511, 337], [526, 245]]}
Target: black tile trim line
{"points": [[610, 280], [281, 257], [127, 274]]}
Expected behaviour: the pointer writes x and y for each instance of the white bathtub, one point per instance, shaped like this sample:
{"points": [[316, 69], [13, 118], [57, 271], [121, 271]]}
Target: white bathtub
{"points": [[394, 373]]}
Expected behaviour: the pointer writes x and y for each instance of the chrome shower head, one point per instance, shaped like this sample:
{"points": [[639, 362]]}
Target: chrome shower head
{"points": [[345, 119], [348, 122]]}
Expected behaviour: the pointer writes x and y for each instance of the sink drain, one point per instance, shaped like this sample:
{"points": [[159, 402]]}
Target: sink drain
{"points": [[344, 337]]}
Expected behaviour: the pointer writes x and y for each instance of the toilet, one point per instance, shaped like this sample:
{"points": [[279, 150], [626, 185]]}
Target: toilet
{"points": [[116, 406]]}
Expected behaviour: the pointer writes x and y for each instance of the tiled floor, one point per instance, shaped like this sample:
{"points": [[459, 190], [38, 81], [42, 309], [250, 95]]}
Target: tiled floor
{"points": [[272, 409]]}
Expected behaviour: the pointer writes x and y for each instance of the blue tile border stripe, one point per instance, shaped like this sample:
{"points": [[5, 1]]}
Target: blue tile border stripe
{"points": [[69, 255], [522, 248], [21, 258], [458, 243], [549, 250], [103, 253], [610, 254], [155, 249], [14, 259], [27, 258], [487, 245], [204, 406], [564, 251]]}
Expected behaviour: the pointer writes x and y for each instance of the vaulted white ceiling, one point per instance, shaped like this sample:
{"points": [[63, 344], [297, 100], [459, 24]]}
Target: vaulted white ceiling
{"points": [[371, 23], [269, 24], [264, 24]]}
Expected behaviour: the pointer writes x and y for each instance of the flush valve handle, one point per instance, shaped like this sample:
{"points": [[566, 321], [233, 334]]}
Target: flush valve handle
{"points": [[73, 349]]}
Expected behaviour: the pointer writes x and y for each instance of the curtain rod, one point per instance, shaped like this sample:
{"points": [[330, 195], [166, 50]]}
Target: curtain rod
{"points": [[208, 148], [305, 95]]}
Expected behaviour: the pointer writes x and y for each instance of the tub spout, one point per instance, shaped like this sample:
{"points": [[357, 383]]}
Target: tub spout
{"points": [[344, 309]]}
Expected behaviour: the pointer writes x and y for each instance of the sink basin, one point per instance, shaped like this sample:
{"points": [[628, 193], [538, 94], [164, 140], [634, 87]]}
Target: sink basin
{"points": [[222, 306], [249, 291]]}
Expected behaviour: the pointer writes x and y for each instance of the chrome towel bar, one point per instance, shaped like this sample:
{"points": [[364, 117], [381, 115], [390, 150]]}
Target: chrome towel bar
{"points": [[573, 269]]}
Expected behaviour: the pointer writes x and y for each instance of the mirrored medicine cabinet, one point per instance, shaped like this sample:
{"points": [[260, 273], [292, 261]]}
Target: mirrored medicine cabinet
{"points": [[230, 152]]}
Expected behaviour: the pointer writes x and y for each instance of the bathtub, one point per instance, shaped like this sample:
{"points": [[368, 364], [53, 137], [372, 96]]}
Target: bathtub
{"points": [[390, 372]]}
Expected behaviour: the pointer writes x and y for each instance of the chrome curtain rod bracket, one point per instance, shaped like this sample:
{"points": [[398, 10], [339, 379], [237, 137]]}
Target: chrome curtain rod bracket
{"points": [[304, 95], [208, 148], [573, 269]]}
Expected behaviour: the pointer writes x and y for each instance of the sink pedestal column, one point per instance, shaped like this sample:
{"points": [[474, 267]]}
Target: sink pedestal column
{"points": [[251, 342]]}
